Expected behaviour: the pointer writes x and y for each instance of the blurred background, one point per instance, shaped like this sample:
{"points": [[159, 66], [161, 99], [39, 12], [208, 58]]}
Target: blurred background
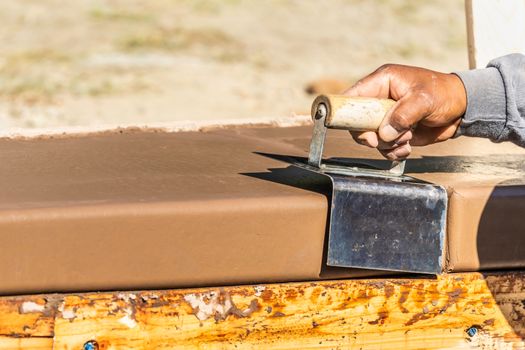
{"points": [[112, 62]]}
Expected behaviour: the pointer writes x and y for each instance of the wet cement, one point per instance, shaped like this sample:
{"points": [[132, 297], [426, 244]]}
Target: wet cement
{"points": [[154, 209]]}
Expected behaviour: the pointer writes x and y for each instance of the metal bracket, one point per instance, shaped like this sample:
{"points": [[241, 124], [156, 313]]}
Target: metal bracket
{"points": [[394, 224]]}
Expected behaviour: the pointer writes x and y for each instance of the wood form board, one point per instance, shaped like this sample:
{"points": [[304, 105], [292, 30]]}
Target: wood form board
{"points": [[454, 311]]}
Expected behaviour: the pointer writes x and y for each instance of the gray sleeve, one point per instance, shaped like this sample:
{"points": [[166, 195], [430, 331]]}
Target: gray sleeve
{"points": [[496, 100]]}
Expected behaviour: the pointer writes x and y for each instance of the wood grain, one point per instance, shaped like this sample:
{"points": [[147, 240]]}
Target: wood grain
{"points": [[452, 311], [353, 113]]}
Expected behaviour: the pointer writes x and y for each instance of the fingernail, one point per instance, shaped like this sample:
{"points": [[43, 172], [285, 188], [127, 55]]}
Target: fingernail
{"points": [[373, 143], [391, 156], [388, 133], [402, 151]]}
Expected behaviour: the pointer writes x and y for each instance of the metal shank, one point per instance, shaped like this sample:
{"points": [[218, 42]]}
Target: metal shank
{"points": [[315, 156], [318, 136]]}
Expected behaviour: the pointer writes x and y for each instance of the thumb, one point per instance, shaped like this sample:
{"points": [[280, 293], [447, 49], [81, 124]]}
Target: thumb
{"points": [[405, 114]]}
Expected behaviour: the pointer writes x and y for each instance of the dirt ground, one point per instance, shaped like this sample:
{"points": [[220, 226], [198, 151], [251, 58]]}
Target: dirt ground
{"points": [[95, 62]]}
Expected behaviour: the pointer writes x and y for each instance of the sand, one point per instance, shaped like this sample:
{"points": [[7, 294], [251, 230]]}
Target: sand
{"points": [[93, 63]]}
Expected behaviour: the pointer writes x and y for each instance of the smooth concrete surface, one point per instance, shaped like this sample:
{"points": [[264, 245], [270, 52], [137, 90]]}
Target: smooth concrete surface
{"points": [[138, 210]]}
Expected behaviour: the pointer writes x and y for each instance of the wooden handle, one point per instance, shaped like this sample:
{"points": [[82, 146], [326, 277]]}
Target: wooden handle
{"points": [[351, 113]]}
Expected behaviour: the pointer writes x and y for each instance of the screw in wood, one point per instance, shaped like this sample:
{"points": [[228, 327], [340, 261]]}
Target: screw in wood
{"points": [[90, 345], [472, 331]]}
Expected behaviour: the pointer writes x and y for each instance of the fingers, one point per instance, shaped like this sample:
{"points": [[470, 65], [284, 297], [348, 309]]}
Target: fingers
{"points": [[366, 138], [398, 149], [398, 153], [421, 114], [405, 114], [410, 108], [425, 135], [402, 139], [395, 150], [371, 139], [422, 136]]}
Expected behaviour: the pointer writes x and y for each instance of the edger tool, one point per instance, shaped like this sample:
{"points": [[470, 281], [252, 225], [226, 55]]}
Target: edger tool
{"points": [[379, 218]]}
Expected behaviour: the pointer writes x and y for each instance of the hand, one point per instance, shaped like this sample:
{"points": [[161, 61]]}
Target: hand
{"points": [[429, 108]]}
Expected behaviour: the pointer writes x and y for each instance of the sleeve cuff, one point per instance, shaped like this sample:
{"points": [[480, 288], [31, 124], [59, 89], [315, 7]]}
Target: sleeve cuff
{"points": [[486, 104]]}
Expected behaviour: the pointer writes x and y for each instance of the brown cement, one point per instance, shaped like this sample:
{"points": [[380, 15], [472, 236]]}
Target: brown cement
{"points": [[150, 210]]}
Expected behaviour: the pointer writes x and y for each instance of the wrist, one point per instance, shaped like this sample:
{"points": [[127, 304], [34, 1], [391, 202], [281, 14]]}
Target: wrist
{"points": [[458, 96]]}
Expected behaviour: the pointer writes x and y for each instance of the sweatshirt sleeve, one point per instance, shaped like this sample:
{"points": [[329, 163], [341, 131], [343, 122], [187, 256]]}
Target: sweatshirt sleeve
{"points": [[496, 100]]}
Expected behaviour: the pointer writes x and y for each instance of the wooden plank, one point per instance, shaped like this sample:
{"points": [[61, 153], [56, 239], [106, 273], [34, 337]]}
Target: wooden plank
{"points": [[24, 316], [27, 322], [452, 311], [10, 343], [494, 28]]}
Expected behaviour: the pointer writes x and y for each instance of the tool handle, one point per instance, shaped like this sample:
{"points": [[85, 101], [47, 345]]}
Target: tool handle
{"points": [[351, 113]]}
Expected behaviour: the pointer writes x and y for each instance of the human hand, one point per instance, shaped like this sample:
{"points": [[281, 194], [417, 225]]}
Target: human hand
{"points": [[428, 109]]}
